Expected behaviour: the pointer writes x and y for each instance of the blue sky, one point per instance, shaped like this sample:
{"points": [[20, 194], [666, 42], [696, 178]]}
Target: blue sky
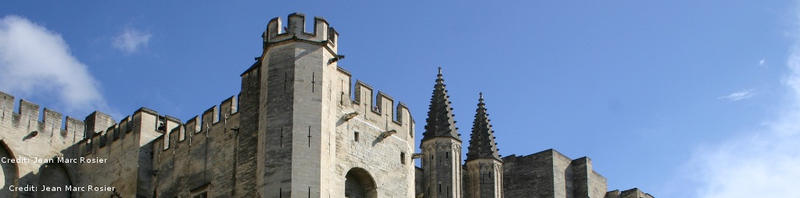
{"points": [[679, 98]]}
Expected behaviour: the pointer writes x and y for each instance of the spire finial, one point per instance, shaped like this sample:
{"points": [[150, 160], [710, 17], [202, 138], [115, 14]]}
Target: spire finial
{"points": [[482, 144], [440, 122]]}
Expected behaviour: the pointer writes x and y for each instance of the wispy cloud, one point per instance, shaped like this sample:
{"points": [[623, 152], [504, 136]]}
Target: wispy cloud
{"points": [[739, 95], [37, 61], [759, 163], [761, 62], [131, 40]]}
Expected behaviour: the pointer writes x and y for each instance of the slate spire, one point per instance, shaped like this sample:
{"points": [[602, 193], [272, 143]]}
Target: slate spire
{"points": [[440, 122], [481, 143]]}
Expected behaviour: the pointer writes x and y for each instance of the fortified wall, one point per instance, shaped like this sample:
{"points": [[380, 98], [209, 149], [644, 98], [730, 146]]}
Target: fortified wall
{"points": [[297, 114], [300, 127]]}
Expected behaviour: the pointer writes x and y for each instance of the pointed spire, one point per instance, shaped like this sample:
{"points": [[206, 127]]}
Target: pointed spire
{"points": [[481, 143], [440, 122]]}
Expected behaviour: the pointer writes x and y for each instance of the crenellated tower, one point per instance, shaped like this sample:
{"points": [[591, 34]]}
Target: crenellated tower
{"points": [[282, 92], [484, 167], [441, 147], [301, 127], [311, 136]]}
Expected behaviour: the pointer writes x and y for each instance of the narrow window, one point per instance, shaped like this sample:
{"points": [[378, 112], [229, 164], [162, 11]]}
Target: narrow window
{"points": [[313, 81], [355, 136], [403, 157]]}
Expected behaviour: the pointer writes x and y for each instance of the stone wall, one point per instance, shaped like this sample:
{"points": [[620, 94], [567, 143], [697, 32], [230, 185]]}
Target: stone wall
{"points": [[529, 176], [551, 174]]}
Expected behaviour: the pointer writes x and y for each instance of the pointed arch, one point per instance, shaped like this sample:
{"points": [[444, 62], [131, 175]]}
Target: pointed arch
{"points": [[55, 175], [359, 184], [9, 172]]}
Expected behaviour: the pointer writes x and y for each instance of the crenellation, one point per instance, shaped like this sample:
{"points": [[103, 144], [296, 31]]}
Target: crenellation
{"points": [[228, 107], [333, 36], [6, 106], [295, 31], [321, 28], [192, 126], [96, 122], [403, 114], [29, 114], [171, 123], [385, 103], [274, 28], [52, 122], [74, 128], [297, 23], [146, 125], [172, 119], [210, 117], [363, 94], [171, 138]]}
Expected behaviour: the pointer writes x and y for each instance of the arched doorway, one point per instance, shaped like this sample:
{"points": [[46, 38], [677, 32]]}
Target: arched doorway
{"points": [[54, 175], [8, 171], [359, 184]]}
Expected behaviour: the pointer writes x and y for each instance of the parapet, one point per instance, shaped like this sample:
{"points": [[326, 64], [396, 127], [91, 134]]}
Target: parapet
{"points": [[380, 104], [214, 118], [322, 33], [33, 122], [97, 122]]}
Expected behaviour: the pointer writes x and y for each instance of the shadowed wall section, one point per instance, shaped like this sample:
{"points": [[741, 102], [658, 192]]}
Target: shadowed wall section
{"points": [[54, 175], [8, 171]]}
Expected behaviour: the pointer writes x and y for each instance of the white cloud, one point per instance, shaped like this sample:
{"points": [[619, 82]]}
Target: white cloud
{"points": [[739, 95], [37, 61], [131, 40], [760, 163], [761, 62]]}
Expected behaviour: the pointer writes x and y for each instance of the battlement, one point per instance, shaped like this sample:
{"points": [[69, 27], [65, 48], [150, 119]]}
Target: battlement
{"points": [[295, 30], [209, 123], [381, 104], [37, 123]]}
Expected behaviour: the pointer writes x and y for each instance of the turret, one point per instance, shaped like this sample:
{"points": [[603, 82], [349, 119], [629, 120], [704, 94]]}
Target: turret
{"points": [[441, 147], [294, 101], [484, 168]]}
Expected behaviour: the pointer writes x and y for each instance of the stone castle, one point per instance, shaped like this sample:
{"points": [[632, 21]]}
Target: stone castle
{"points": [[298, 128]]}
